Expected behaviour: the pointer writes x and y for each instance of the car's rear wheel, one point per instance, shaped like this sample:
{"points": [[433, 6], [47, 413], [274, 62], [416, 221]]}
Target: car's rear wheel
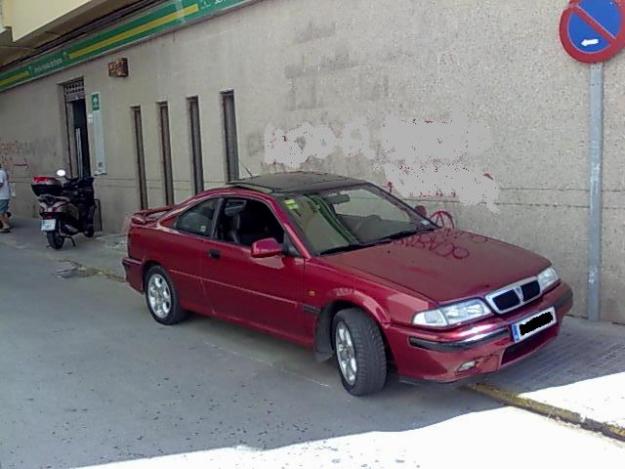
{"points": [[360, 354], [162, 298]]}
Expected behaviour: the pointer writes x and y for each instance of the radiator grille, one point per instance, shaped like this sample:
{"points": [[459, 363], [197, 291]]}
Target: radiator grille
{"points": [[514, 296]]}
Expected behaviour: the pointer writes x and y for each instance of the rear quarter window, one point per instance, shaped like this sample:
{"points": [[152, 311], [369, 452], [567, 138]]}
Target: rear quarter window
{"points": [[198, 219]]}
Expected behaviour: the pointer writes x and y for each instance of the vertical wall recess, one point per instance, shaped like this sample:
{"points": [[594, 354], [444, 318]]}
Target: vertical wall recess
{"points": [[168, 177], [196, 145], [230, 135], [140, 154]]}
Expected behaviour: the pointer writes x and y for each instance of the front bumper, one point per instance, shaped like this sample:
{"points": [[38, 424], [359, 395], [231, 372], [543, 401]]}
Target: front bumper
{"points": [[438, 355]]}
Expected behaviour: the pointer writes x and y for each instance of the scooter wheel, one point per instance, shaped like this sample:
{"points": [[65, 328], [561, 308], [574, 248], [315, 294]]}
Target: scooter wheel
{"points": [[55, 240], [89, 232]]}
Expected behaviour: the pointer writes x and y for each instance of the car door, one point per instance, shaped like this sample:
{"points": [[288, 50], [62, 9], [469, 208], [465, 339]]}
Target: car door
{"points": [[187, 248], [264, 293]]}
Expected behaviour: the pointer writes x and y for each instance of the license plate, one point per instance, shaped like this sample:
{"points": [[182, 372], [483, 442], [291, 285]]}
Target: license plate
{"points": [[48, 225], [534, 324]]}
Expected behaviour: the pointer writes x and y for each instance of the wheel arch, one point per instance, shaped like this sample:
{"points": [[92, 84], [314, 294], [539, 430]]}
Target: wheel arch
{"points": [[324, 349], [146, 268]]}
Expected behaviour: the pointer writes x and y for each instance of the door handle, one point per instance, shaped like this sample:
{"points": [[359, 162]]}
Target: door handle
{"points": [[214, 253]]}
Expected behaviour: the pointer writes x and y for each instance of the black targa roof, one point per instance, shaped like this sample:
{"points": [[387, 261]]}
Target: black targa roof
{"points": [[296, 182]]}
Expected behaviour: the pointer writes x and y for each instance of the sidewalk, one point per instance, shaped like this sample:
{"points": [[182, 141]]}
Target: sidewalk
{"points": [[579, 378], [102, 253]]}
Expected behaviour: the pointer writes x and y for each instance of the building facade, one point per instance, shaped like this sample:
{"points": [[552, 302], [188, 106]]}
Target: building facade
{"points": [[470, 107]]}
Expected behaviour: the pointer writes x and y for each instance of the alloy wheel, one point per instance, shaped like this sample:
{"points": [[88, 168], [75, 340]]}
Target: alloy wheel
{"points": [[346, 353], [159, 296]]}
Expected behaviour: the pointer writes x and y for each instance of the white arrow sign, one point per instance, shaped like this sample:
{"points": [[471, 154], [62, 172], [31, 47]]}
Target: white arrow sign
{"points": [[590, 42]]}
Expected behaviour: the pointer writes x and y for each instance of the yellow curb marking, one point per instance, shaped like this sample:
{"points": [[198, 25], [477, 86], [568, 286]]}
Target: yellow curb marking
{"points": [[548, 410]]}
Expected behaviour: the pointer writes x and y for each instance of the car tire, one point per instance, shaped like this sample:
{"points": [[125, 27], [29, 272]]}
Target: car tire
{"points": [[162, 298], [359, 351]]}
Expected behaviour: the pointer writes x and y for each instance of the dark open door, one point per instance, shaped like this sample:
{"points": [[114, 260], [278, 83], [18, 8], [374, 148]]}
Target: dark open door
{"points": [[81, 137], [77, 130]]}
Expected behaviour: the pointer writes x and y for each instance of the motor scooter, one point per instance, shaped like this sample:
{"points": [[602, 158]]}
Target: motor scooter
{"points": [[67, 207]]}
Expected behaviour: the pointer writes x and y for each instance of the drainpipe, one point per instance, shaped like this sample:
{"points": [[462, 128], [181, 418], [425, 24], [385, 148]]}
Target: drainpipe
{"points": [[595, 192]]}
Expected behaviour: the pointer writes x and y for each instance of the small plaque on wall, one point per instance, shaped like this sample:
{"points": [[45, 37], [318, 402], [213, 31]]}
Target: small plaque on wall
{"points": [[118, 68]]}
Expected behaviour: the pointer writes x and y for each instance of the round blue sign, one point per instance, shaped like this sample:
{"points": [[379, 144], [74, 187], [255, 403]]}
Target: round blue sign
{"points": [[593, 30]]}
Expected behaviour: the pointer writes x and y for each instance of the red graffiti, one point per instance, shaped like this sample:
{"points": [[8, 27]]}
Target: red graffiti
{"points": [[443, 218]]}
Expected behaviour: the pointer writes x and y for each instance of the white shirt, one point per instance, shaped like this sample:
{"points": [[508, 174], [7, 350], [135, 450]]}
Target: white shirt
{"points": [[5, 189]]}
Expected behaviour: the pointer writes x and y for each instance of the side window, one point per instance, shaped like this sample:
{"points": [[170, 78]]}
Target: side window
{"points": [[199, 219], [245, 221]]}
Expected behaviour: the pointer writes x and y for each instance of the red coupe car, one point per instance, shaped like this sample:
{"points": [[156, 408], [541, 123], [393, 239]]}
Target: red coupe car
{"points": [[343, 267]]}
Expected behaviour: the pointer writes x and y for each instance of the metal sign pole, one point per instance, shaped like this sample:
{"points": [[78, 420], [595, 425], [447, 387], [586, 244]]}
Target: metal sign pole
{"points": [[593, 31], [595, 189]]}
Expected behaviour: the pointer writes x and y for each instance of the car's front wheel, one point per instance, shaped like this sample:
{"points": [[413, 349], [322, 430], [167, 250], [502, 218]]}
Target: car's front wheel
{"points": [[360, 353], [162, 298]]}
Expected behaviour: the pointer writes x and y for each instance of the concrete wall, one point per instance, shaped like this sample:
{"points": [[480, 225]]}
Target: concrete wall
{"points": [[474, 107], [6, 14]]}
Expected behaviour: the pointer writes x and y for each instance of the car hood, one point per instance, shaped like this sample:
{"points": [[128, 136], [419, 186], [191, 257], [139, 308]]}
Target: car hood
{"points": [[444, 265]]}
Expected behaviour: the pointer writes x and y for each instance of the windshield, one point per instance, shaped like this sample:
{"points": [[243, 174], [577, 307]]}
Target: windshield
{"points": [[352, 218]]}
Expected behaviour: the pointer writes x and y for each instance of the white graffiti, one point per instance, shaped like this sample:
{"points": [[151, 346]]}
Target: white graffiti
{"points": [[417, 158]]}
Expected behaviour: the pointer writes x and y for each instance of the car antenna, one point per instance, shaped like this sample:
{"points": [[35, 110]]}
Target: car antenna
{"points": [[248, 171]]}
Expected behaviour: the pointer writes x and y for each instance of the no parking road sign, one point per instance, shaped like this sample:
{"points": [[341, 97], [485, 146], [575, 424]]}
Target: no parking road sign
{"points": [[593, 31]]}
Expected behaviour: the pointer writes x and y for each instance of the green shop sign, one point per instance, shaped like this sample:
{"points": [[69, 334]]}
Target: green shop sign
{"points": [[95, 102], [169, 15]]}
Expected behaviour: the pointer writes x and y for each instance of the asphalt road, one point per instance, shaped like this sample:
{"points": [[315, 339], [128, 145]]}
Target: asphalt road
{"points": [[87, 378]]}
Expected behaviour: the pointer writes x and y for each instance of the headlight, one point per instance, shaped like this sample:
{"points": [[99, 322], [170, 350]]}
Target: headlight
{"points": [[452, 315], [547, 278]]}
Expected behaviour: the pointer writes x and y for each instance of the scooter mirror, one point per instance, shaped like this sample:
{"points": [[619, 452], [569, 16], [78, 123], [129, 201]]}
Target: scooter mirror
{"points": [[61, 173]]}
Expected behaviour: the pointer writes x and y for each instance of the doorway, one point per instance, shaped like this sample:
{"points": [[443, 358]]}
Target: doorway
{"points": [[77, 129]]}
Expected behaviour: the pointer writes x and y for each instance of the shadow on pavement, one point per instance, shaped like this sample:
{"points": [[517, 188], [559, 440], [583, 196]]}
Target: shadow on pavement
{"points": [[91, 378]]}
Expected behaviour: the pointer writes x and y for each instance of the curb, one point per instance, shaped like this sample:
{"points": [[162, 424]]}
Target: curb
{"points": [[548, 410]]}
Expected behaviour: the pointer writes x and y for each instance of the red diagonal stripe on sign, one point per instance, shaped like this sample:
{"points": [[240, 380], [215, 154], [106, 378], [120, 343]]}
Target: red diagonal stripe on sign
{"points": [[594, 24]]}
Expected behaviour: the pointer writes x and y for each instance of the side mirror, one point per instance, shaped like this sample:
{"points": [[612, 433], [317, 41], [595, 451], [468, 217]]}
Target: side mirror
{"points": [[421, 210], [267, 247], [61, 173]]}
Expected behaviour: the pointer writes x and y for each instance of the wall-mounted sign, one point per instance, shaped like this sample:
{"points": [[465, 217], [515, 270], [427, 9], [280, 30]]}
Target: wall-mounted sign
{"points": [[166, 16], [95, 102], [593, 31], [97, 132], [118, 68]]}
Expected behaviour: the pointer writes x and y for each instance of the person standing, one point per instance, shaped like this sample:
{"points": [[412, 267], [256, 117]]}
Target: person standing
{"points": [[5, 197]]}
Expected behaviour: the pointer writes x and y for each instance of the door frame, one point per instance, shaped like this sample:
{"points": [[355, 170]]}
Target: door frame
{"points": [[72, 91]]}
